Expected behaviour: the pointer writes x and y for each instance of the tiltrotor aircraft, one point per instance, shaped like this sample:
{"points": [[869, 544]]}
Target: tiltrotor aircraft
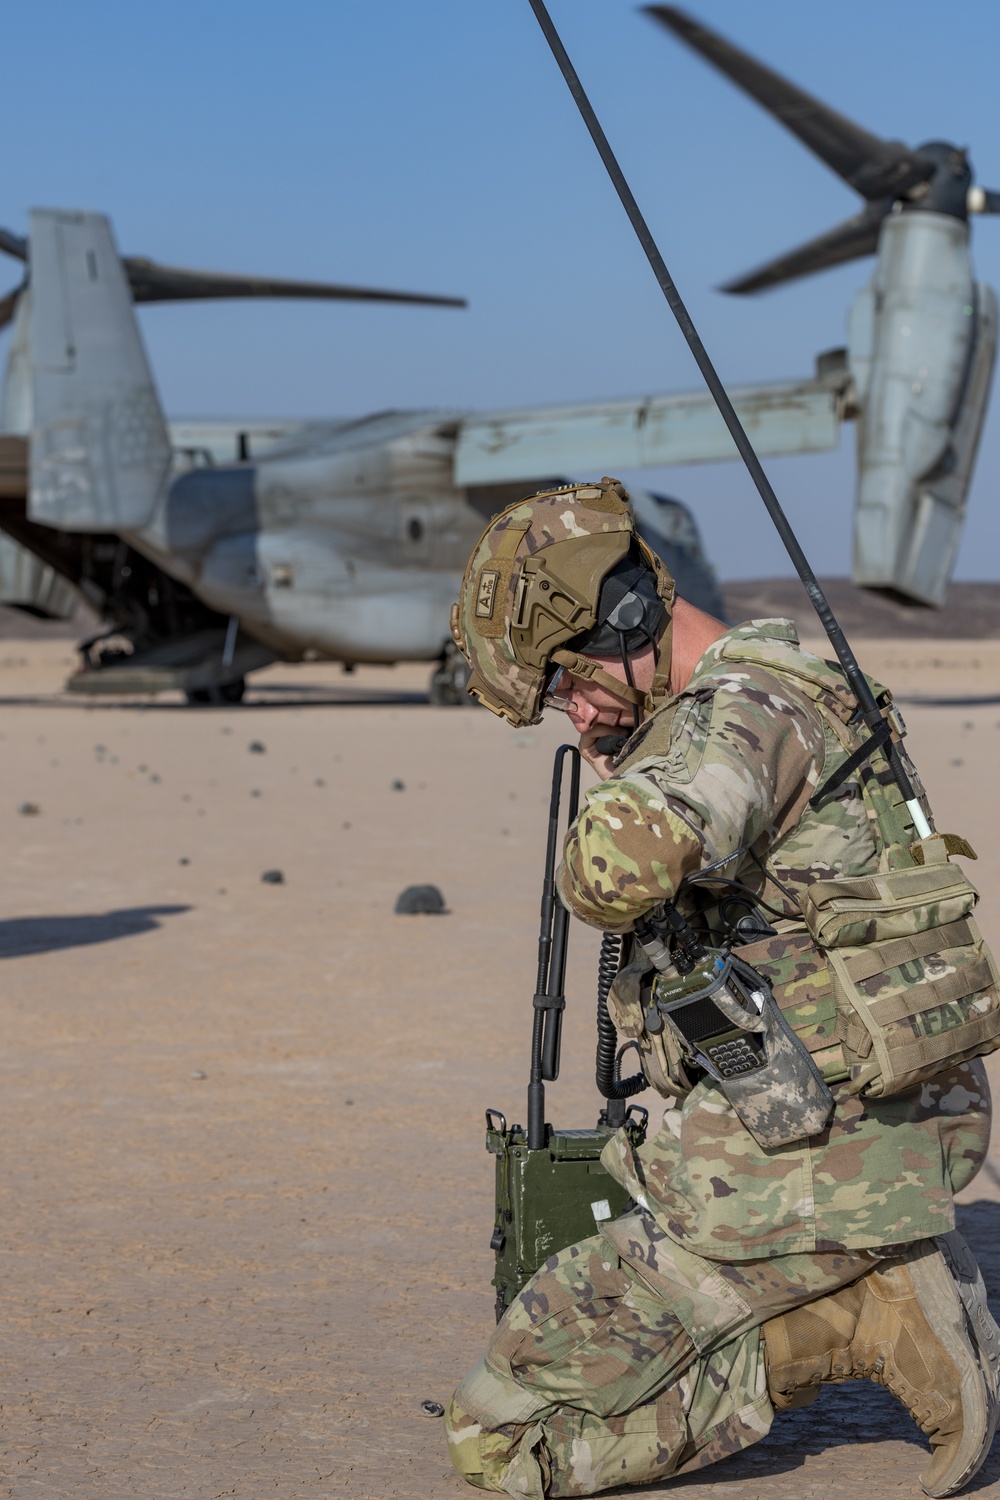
{"points": [[213, 548]]}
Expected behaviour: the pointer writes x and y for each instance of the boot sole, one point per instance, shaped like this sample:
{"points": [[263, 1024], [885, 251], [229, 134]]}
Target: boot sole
{"points": [[953, 1298]]}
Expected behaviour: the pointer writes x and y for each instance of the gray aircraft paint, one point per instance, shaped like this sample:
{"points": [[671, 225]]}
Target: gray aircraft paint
{"points": [[922, 348], [347, 538]]}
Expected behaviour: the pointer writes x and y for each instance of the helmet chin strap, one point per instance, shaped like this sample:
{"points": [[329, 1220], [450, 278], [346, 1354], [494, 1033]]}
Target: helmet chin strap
{"points": [[591, 671]]}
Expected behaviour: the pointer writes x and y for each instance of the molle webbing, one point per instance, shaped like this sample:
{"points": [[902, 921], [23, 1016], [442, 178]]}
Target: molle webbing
{"points": [[903, 950]]}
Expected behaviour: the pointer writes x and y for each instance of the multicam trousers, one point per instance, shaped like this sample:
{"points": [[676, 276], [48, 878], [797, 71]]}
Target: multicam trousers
{"points": [[626, 1359]]}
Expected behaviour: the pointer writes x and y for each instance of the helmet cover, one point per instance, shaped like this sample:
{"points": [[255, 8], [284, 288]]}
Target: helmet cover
{"points": [[533, 584]]}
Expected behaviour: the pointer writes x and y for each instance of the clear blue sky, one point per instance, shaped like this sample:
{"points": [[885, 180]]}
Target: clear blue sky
{"points": [[434, 147]]}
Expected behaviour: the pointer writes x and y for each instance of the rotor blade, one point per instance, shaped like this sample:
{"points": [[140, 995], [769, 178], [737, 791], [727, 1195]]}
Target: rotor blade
{"points": [[873, 167], [847, 241], [8, 304], [983, 201], [155, 283], [13, 244]]}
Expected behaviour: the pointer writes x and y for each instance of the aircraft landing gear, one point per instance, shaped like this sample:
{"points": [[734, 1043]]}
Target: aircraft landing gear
{"points": [[447, 689], [219, 693]]}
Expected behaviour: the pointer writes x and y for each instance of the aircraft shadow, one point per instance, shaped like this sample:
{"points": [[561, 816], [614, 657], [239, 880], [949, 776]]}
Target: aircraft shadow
{"points": [[985, 700], [20, 936], [133, 705]]}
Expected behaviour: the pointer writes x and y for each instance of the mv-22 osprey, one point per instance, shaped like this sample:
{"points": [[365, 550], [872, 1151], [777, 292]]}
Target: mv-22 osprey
{"points": [[213, 550]]}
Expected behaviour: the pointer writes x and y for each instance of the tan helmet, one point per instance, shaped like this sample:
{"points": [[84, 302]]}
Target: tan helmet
{"points": [[533, 584]]}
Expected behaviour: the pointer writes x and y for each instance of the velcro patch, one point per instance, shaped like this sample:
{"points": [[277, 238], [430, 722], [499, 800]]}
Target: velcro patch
{"points": [[486, 593]]}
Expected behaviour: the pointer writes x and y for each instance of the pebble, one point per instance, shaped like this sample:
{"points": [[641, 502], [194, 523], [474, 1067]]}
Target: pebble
{"points": [[431, 1409], [257, 747], [273, 877], [399, 786], [184, 860], [29, 809], [198, 1074], [421, 900]]}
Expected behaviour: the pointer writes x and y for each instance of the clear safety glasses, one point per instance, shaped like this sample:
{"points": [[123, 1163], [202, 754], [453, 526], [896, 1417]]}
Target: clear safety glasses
{"points": [[556, 694]]}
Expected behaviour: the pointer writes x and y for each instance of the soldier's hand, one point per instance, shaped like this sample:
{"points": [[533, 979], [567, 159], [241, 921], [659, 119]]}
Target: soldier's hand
{"points": [[602, 764]]}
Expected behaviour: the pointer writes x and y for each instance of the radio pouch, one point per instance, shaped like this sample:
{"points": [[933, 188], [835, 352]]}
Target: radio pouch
{"points": [[732, 1028]]}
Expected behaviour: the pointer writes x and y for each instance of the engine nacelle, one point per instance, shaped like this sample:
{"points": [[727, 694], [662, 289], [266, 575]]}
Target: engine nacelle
{"points": [[922, 346]]}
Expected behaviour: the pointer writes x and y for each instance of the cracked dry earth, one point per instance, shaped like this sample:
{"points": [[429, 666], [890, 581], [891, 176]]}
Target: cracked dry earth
{"points": [[246, 1205]]}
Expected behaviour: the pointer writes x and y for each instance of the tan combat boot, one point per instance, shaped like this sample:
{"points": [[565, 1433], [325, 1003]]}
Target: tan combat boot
{"points": [[920, 1326]]}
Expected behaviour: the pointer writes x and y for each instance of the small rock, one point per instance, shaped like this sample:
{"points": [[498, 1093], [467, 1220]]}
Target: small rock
{"points": [[142, 770], [198, 1074], [348, 1101], [154, 777], [183, 860], [345, 825], [319, 781], [399, 786], [431, 1409], [29, 809], [257, 747], [273, 877], [421, 900], [256, 793]]}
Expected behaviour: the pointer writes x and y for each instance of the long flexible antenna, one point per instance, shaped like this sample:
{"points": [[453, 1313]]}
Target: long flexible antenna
{"points": [[858, 682]]}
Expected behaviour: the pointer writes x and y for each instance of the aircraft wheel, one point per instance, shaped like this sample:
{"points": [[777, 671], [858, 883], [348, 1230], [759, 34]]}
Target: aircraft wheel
{"points": [[219, 693], [448, 683]]}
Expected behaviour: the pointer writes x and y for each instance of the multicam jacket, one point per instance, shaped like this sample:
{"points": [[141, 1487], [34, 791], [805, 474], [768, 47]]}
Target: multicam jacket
{"points": [[737, 757]]}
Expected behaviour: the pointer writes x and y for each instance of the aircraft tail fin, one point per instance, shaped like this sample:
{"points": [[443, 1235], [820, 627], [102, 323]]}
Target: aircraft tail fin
{"points": [[100, 452]]}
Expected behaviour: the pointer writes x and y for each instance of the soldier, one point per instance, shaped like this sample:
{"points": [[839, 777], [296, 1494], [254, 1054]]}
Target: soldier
{"points": [[746, 1277]]}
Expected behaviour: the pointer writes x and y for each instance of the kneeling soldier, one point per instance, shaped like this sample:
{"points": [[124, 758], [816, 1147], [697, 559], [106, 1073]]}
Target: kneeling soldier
{"points": [[747, 1275]]}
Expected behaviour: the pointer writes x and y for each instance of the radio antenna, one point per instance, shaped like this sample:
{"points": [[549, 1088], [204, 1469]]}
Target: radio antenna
{"points": [[860, 687]]}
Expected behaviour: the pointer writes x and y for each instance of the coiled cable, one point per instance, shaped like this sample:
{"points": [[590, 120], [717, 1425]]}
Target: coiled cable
{"points": [[609, 1081]]}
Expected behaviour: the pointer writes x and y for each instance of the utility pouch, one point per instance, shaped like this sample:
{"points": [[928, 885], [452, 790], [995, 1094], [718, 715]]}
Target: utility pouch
{"points": [[916, 988], [662, 1052], [727, 1023]]}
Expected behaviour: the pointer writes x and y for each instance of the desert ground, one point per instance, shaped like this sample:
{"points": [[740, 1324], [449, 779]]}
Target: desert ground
{"points": [[246, 1202]]}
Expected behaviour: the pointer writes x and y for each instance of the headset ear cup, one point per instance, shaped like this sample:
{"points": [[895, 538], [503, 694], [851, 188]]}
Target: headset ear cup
{"points": [[630, 607]]}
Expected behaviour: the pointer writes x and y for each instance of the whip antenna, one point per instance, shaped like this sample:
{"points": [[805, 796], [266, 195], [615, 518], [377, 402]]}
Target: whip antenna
{"points": [[859, 683]]}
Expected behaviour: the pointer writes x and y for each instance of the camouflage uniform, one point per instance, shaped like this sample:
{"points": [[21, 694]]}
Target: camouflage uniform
{"points": [[637, 1352]]}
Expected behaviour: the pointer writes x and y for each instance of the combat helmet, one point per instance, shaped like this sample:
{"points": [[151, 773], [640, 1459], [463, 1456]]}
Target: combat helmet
{"points": [[534, 591]]}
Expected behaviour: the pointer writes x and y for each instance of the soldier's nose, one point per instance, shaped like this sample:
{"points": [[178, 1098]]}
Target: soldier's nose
{"points": [[583, 714]]}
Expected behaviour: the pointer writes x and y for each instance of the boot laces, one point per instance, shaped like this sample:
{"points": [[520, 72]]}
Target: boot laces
{"points": [[875, 1370]]}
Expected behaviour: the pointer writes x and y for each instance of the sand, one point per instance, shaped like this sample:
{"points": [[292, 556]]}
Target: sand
{"points": [[246, 1205]]}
